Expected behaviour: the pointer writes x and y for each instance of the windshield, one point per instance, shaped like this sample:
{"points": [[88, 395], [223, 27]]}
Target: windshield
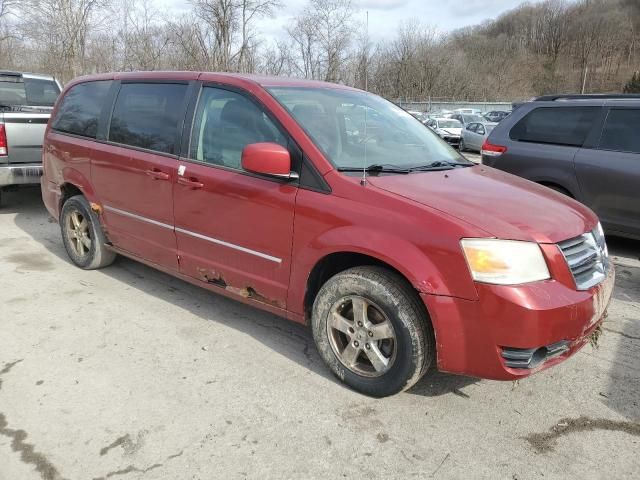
{"points": [[472, 119], [359, 129], [15, 90], [449, 124]]}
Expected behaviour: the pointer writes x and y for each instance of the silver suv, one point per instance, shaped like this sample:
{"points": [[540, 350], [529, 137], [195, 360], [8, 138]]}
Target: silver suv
{"points": [[26, 101], [584, 146]]}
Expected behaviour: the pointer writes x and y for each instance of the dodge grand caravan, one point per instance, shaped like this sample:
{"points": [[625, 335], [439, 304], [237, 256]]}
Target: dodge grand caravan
{"points": [[332, 207]]}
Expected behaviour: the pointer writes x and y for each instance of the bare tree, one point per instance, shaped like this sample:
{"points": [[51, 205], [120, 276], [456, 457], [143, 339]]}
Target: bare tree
{"points": [[61, 27], [534, 48], [146, 39], [323, 37]]}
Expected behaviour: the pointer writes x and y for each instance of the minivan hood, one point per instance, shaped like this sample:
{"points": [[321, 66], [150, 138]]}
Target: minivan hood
{"points": [[499, 203]]}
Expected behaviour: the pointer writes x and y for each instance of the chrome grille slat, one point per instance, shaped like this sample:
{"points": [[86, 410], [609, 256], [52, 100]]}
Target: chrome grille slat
{"points": [[587, 259], [573, 242], [578, 260]]}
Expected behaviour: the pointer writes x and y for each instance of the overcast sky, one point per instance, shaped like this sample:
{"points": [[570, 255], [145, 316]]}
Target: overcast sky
{"points": [[386, 15]]}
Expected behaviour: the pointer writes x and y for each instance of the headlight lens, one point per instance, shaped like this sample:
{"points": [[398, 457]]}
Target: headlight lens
{"points": [[504, 262]]}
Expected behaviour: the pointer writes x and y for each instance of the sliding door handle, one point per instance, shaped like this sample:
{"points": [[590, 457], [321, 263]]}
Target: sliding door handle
{"points": [[192, 183], [157, 174]]}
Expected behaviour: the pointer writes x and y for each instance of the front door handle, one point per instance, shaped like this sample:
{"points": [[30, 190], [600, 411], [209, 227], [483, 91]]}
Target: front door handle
{"points": [[192, 183], [157, 174]]}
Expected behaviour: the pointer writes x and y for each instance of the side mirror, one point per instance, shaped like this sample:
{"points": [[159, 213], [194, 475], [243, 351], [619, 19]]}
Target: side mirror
{"points": [[268, 159]]}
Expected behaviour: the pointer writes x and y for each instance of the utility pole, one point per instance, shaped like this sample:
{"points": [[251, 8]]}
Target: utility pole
{"points": [[584, 79]]}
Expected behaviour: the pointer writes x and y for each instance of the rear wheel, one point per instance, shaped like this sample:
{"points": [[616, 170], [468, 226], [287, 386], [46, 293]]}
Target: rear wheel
{"points": [[461, 146], [82, 235], [372, 331]]}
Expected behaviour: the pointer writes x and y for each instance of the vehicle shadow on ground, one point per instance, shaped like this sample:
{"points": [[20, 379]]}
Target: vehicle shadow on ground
{"points": [[623, 391], [286, 338]]}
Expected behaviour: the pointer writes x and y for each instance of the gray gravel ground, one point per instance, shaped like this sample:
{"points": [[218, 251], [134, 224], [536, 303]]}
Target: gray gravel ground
{"points": [[129, 373]]}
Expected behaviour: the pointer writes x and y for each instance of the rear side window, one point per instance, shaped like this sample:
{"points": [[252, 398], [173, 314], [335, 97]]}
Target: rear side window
{"points": [[80, 109], [621, 131], [557, 126], [147, 115], [34, 92]]}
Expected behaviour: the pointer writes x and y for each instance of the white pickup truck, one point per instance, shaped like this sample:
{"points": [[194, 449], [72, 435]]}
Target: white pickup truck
{"points": [[26, 101]]}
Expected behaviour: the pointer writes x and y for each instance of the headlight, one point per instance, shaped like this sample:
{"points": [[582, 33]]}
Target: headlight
{"points": [[504, 262]]}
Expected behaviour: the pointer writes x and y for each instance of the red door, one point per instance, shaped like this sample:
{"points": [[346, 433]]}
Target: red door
{"points": [[233, 229], [134, 173], [135, 190]]}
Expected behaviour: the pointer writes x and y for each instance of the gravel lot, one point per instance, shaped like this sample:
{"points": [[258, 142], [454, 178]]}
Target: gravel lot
{"points": [[129, 373]]}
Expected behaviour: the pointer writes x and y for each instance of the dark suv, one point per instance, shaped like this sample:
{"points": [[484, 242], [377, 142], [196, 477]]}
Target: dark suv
{"points": [[585, 146]]}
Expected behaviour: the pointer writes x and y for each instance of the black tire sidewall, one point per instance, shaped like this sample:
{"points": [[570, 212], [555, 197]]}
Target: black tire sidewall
{"points": [[80, 204], [409, 343]]}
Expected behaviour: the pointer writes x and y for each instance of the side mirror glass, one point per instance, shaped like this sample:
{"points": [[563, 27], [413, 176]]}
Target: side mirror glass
{"points": [[269, 159]]}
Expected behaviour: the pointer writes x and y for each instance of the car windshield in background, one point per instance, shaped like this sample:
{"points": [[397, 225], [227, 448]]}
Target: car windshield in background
{"points": [[25, 91], [357, 129], [449, 124], [472, 119]]}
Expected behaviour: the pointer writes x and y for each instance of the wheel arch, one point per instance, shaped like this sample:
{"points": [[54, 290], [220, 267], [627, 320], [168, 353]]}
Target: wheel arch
{"points": [[74, 182], [557, 187], [334, 263], [68, 190]]}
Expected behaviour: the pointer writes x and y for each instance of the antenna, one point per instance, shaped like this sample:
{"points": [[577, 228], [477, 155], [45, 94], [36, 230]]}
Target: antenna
{"points": [[363, 180]]}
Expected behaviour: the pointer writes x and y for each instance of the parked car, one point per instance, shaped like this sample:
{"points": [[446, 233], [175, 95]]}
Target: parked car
{"points": [[447, 129], [585, 146], [418, 115], [251, 188], [496, 116], [467, 118], [468, 111], [474, 134], [26, 101]]}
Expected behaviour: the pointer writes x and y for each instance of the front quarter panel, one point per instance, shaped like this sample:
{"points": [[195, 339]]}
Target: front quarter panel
{"points": [[421, 244]]}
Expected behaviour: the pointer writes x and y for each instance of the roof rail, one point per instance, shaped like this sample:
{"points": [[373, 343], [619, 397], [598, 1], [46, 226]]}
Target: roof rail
{"points": [[587, 96]]}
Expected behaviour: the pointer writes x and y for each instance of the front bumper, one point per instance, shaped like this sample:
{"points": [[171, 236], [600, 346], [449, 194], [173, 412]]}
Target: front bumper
{"points": [[471, 336], [27, 174], [451, 139]]}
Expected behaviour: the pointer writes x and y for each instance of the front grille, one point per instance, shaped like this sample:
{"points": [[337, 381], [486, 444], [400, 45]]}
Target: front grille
{"points": [[587, 257]]}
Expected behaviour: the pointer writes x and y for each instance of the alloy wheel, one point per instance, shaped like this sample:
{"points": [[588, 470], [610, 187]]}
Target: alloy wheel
{"points": [[78, 233], [361, 336]]}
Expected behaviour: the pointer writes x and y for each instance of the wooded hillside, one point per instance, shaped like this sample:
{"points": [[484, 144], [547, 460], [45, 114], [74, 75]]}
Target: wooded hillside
{"points": [[554, 46]]}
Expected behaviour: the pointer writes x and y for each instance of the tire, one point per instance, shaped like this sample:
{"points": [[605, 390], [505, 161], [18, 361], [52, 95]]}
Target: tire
{"points": [[385, 294], [85, 243], [461, 147]]}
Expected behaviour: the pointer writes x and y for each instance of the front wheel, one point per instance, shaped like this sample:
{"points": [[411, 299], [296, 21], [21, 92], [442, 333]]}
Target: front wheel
{"points": [[372, 331], [82, 235], [461, 146]]}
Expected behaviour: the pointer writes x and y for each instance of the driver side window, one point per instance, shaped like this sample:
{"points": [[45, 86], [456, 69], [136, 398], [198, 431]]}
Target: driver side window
{"points": [[226, 122]]}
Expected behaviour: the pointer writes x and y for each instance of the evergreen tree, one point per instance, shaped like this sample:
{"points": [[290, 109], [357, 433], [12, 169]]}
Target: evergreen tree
{"points": [[633, 85]]}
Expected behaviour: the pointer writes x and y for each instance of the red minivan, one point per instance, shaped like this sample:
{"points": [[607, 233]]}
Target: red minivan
{"points": [[331, 207]]}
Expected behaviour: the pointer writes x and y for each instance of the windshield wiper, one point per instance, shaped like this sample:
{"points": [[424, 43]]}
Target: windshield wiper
{"points": [[375, 168], [439, 165]]}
